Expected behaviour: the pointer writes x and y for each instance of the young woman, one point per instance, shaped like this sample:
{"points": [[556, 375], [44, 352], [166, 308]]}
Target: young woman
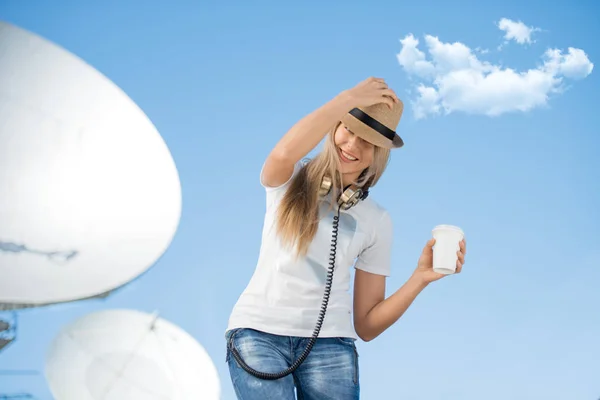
{"points": [[280, 340]]}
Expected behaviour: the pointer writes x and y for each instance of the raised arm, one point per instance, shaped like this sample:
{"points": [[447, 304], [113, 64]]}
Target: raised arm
{"points": [[306, 134]]}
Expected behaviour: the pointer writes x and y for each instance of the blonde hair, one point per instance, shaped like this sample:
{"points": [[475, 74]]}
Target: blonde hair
{"points": [[298, 213]]}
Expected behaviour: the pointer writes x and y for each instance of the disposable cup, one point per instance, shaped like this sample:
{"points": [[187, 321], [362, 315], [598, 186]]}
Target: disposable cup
{"points": [[447, 244]]}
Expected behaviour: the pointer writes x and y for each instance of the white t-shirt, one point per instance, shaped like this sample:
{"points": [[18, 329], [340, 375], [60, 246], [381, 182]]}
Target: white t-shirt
{"points": [[285, 294]]}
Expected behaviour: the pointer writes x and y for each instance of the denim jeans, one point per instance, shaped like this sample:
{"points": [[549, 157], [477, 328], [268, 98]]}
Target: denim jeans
{"points": [[330, 372]]}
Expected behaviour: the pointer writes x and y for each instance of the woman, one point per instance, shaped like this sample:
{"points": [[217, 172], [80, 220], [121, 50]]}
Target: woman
{"points": [[272, 345]]}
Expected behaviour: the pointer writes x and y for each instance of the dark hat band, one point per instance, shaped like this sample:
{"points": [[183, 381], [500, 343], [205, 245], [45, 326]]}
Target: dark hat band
{"points": [[373, 123]]}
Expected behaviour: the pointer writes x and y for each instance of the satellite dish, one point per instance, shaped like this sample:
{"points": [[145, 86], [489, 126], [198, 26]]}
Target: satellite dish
{"points": [[91, 196], [125, 354]]}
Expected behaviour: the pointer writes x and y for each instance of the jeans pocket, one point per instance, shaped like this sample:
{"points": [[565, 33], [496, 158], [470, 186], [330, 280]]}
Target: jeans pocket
{"points": [[350, 344], [229, 335]]}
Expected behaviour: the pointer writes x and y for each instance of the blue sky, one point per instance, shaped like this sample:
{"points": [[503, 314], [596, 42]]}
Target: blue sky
{"points": [[223, 81]]}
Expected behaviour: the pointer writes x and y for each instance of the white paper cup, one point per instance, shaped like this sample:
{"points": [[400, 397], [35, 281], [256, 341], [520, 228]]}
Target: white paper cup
{"points": [[447, 243]]}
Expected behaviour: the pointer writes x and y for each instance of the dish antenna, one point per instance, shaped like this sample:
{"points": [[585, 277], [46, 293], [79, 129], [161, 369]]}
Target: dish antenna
{"points": [[127, 354], [91, 197]]}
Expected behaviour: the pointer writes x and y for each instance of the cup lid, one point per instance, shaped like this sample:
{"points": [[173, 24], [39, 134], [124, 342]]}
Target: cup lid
{"points": [[449, 227]]}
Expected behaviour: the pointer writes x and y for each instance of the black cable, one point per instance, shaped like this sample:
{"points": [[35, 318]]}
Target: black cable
{"points": [[313, 339]]}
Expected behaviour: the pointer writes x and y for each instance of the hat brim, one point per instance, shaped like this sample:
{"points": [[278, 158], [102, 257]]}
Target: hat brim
{"points": [[370, 135]]}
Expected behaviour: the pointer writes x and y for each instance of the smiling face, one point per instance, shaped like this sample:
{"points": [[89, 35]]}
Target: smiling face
{"points": [[355, 153]]}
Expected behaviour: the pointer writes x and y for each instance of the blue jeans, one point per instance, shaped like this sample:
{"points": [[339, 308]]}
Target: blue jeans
{"points": [[330, 372]]}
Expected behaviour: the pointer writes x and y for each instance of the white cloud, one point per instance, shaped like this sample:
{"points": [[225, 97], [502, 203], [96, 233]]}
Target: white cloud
{"points": [[413, 59], [516, 30], [454, 79], [427, 102], [574, 65]]}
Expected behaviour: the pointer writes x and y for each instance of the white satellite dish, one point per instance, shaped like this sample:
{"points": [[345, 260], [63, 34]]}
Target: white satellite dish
{"points": [[129, 355], [90, 195]]}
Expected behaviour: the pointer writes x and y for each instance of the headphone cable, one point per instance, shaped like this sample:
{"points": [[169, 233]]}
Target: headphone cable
{"points": [[328, 283]]}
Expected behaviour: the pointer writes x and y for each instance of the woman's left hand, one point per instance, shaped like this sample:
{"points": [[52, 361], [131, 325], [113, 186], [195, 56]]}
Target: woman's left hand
{"points": [[424, 269]]}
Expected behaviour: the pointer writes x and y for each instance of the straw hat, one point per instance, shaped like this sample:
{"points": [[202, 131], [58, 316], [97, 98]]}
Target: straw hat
{"points": [[376, 124]]}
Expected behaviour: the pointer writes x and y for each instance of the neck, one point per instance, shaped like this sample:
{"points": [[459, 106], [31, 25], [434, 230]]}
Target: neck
{"points": [[348, 179]]}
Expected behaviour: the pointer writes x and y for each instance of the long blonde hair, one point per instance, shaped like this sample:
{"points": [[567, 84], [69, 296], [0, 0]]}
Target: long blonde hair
{"points": [[298, 213]]}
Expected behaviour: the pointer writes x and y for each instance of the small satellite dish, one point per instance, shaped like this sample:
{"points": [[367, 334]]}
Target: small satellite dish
{"points": [[126, 354], [90, 195]]}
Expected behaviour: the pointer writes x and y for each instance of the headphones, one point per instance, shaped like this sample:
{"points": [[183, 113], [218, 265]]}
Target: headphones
{"points": [[349, 197]]}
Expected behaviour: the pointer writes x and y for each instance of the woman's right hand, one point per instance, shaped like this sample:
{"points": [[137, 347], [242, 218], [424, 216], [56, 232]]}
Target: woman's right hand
{"points": [[306, 134], [371, 91]]}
